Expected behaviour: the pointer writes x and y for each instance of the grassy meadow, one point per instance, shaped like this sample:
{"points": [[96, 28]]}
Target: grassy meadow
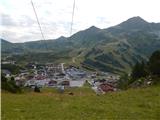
{"points": [[133, 104]]}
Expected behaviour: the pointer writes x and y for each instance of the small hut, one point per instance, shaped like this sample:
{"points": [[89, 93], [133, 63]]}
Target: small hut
{"points": [[65, 83], [106, 87], [52, 83]]}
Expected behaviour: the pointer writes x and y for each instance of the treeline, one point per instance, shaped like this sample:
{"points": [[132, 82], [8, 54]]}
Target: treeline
{"points": [[14, 69], [9, 84], [143, 73]]}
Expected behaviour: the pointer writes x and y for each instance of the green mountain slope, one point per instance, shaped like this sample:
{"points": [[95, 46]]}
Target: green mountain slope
{"points": [[114, 49]]}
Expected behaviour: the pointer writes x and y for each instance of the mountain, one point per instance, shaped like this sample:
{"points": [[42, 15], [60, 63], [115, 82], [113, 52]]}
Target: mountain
{"points": [[115, 49], [8, 47], [135, 23]]}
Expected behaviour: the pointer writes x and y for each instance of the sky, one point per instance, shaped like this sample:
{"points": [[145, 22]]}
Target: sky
{"points": [[18, 22]]}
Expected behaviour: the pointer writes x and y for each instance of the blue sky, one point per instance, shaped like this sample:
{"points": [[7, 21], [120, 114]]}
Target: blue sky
{"points": [[18, 22]]}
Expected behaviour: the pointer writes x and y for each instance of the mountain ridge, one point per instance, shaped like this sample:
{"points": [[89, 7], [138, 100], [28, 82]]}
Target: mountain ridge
{"points": [[116, 48]]}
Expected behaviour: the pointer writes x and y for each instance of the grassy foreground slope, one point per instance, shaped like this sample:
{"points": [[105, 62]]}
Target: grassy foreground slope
{"points": [[133, 104]]}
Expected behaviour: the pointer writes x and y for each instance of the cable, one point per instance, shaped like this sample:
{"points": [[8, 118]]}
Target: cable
{"points": [[40, 24], [38, 20], [72, 17]]}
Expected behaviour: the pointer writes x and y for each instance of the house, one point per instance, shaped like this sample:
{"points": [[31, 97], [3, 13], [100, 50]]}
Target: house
{"points": [[8, 62], [42, 83], [34, 82], [30, 83], [7, 73], [75, 73], [99, 80], [55, 68], [64, 83], [40, 77], [30, 66], [102, 81], [106, 87], [20, 82], [77, 83], [24, 73], [52, 83]]}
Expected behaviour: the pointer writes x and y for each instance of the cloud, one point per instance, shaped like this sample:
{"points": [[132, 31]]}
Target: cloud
{"points": [[18, 22], [9, 35], [54, 17], [7, 21], [22, 21]]}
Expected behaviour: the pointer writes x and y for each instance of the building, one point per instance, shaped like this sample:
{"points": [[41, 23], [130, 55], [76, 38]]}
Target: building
{"points": [[7, 73], [106, 87], [52, 83]]}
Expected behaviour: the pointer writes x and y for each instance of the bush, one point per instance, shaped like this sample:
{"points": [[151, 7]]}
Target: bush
{"points": [[139, 70], [36, 89], [142, 73], [154, 63], [9, 85], [155, 79], [123, 81]]}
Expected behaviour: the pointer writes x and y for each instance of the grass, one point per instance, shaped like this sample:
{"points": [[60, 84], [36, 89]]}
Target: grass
{"points": [[133, 104]]}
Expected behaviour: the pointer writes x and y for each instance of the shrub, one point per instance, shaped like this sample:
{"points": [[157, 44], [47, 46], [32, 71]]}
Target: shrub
{"points": [[9, 85], [36, 89]]}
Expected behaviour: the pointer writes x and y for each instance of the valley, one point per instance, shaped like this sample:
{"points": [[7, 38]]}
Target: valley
{"points": [[95, 74], [115, 49]]}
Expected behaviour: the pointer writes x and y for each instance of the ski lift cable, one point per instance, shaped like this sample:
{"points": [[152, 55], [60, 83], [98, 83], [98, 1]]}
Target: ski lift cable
{"points": [[40, 28], [37, 20], [72, 17], [40, 24]]}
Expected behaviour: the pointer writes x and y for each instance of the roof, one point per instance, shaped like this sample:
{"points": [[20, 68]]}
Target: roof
{"points": [[106, 87], [6, 71], [65, 83], [52, 82]]}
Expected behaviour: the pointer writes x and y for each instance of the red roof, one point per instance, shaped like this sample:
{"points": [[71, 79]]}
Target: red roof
{"points": [[52, 82], [106, 87], [40, 77]]}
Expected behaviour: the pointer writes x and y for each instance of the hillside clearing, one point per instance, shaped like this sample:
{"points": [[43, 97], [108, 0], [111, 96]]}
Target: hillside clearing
{"points": [[138, 104]]}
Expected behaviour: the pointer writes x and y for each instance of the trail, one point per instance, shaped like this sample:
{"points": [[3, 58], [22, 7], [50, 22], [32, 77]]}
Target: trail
{"points": [[73, 60]]}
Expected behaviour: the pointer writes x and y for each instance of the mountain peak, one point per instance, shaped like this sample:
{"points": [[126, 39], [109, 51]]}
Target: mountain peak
{"points": [[136, 19], [4, 41], [62, 37], [134, 23], [93, 29]]}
